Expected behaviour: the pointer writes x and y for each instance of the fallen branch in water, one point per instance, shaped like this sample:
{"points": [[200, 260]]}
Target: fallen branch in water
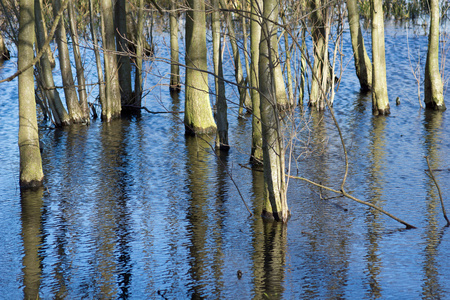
{"points": [[153, 112], [347, 195], [431, 175]]}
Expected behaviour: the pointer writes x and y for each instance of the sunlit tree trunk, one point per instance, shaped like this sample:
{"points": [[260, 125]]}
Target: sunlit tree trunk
{"points": [[98, 61], [175, 84], [363, 65], [288, 61], [123, 59], [255, 38], [275, 203], [139, 54], [50, 55], [198, 116], [112, 89], [4, 52], [303, 67], [78, 63], [31, 174], [317, 95], [380, 100], [75, 112], [244, 98], [60, 115], [221, 101], [434, 98]]}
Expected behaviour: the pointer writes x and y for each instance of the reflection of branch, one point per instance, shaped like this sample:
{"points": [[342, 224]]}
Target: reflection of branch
{"points": [[431, 175], [44, 47], [345, 194]]}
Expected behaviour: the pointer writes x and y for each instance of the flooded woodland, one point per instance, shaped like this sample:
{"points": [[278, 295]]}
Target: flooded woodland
{"points": [[135, 208]]}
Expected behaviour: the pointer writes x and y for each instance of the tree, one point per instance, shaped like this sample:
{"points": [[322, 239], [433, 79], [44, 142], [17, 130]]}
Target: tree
{"points": [[198, 116], [31, 174], [363, 65], [175, 84], [255, 38], [380, 100], [434, 98], [275, 202], [112, 108]]}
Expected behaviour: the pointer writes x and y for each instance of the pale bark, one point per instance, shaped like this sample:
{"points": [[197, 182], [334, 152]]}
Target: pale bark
{"points": [[380, 100], [255, 38], [434, 98], [139, 54], [175, 83], [4, 52], [112, 89], [198, 117], [244, 98], [275, 202], [363, 65], [31, 174], [75, 112], [101, 84], [78, 63], [221, 101], [60, 115], [123, 59], [303, 67]]}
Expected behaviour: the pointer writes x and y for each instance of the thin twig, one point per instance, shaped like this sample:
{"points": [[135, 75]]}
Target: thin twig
{"points": [[439, 190]]}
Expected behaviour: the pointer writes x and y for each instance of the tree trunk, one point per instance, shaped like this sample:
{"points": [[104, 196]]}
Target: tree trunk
{"points": [[175, 84], [288, 61], [221, 101], [101, 84], [275, 203], [244, 98], [31, 174], [434, 98], [198, 116], [303, 67], [123, 58], [50, 54], [60, 115], [139, 54], [363, 65], [112, 89], [75, 112], [4, 52], [78, 63], [255, 38], [380, 100]]}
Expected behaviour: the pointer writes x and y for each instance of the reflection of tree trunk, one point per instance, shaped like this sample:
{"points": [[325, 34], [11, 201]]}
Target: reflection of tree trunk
{"points": [[31, 173], [198, 116], [31, 202], [363, 65], [431, 288], [275, 203], [380, 100], [434, 98], [255, 37], [60, 115]]}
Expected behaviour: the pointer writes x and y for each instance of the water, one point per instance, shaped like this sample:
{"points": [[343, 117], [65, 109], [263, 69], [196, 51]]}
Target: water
{"points": [[135, 209]]}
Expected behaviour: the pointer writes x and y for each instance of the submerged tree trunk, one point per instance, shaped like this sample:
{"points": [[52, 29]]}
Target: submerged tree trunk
{"points": [[198, 116], [123, 58], [244, 98], [175, 84], [60, 115], [363, 65], [275, 202], [255, 38], [112, 89], [78, 63], [320, 73], [101, 85], [75, 112], [380, 100], [434, 98], [221, 101], [31, 174]]}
